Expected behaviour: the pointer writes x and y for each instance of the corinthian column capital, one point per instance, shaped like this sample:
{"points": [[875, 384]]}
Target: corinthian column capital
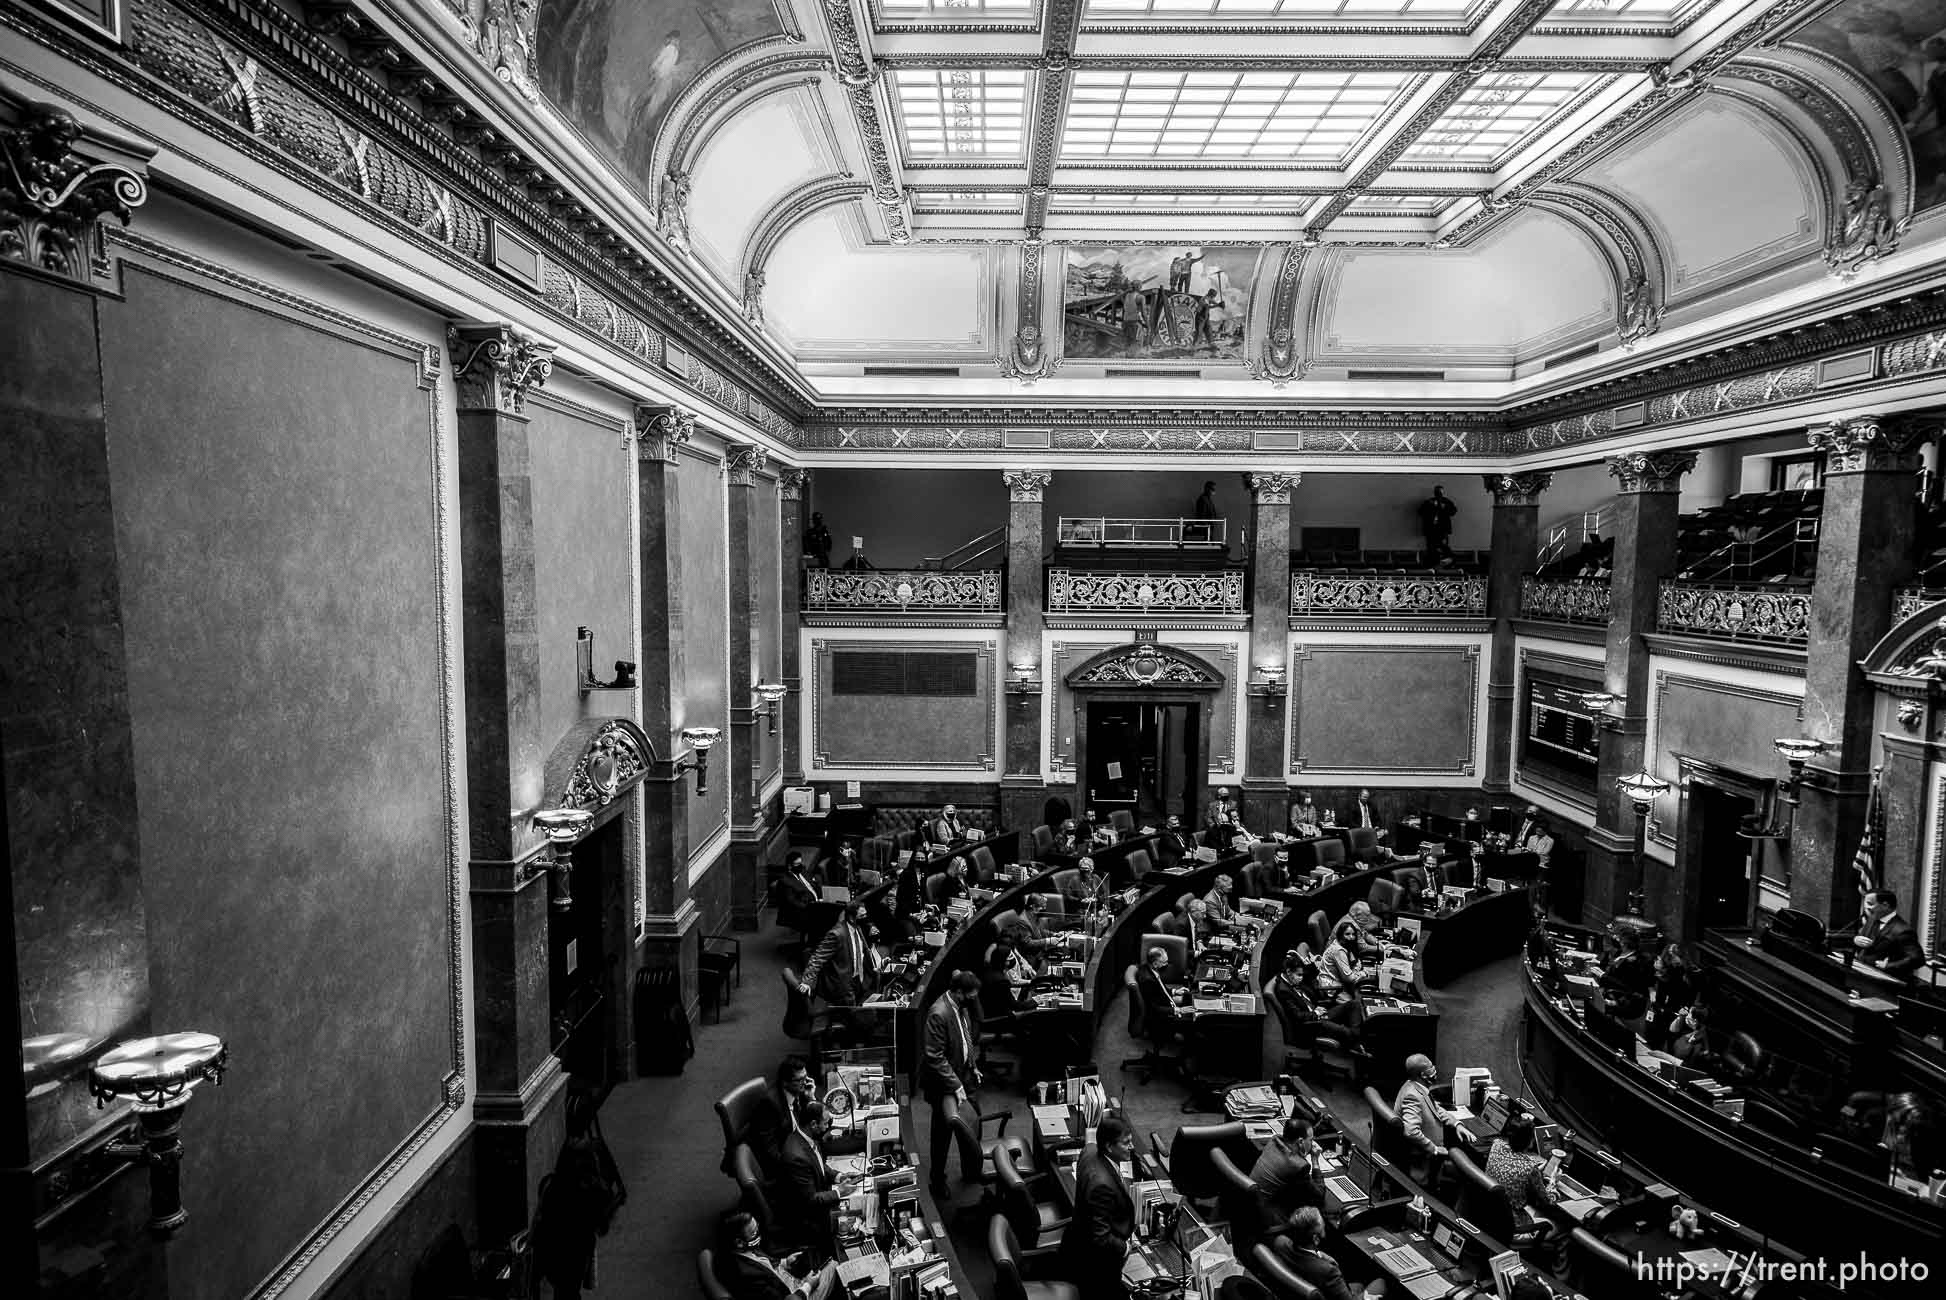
{"points": [[495, 364]]}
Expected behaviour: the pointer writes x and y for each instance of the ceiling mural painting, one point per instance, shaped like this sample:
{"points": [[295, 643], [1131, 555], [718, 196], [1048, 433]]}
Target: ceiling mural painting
{"points": [[614, 68], [1899, 46], [1156, 302]]}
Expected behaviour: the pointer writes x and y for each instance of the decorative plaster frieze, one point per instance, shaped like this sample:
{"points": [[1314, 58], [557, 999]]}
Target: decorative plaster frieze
{"points": [[1027, 356], [1279, 362]]}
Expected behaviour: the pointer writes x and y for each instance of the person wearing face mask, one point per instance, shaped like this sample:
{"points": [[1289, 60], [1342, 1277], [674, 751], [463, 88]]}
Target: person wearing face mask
{"points": [[948, 828], [1097, 1237], [1224, 818], [1087, 889], [948, 1078], [1175, 843], [747, 1273], [1286, 1173], [842, 971], [805, 1195], [1422, 1117]]}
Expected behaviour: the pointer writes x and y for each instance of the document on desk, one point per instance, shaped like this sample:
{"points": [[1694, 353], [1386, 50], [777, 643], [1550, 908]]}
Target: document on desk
{"points": [[866, 1270], [1580, 1207], [1429, 1286], [1052, 1120], [1206, 1006], [1136, 1268], [1402, 1262]]}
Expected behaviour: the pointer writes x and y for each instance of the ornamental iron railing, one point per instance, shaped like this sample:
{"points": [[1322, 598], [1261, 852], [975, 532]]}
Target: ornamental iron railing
{"points": [[972, 591], [1377, 593], [1086, 591], [1565, 600], [1771, 613], [1910, 600]]}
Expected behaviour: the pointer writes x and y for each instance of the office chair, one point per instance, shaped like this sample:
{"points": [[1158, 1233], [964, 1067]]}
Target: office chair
{"points": [[1250, 881], [751, 1193], [1317, 929], [1410, 881], [1152, 1061], [1191, 1168], [981, 864], [1176, 945], [1237, 1201], [1599, 1269], [1384, 899], [1364, 843], [977, 1152], [1035, 1220], [1329, 853], [738, 1111], [1007, 1281], [1305, 1046], [936, 889], [706, 1279], [1281, 1278], [1743, 1058], [1488, 1205], [1139, 864], [1388, 1134], [1063, 882], [1043, 842], [800, 1021], [1123, 821]]}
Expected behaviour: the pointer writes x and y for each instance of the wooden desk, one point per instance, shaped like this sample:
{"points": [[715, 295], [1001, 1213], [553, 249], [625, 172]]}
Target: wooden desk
{"points": [[935, 1224], [1489, 927]]}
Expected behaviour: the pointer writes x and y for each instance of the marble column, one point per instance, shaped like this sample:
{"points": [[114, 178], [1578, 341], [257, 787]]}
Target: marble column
{"points": [[1264, 784], [1516, 536], [1649, 486], [792, 485], [519, 1103], [78, 943], [671, 942], [1866, 539], [743, 461], [1022, 791]]}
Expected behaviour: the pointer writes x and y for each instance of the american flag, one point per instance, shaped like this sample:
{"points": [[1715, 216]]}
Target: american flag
{"points": [[1864, 863]]}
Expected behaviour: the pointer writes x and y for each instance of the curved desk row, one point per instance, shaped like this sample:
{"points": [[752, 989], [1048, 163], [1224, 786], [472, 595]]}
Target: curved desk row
{"points": [[1817, 1208], [1489, 927]]}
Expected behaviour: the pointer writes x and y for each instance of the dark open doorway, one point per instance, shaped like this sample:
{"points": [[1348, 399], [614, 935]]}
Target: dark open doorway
{"points": [[586, 944], [1726, 888], [1143, 757]]}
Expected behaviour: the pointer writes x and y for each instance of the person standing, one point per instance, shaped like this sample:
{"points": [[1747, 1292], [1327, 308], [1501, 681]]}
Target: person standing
{"points": [[817, 543], [1180, 268], [1885, 938], [947, 1077], [1097, 1237], [1436, 524]]}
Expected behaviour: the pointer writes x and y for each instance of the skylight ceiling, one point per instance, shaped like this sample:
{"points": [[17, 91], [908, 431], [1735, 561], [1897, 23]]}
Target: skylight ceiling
{"points": [[1181, 11], [961, 111], [1318, 117], [1498, 112]]}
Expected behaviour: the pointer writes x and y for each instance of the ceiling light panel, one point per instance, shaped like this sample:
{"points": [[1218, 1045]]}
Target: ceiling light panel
{"points": [[965, 201], [1624, 13], [1496, 113], [1187, 117], [1401, 205], [954, 10], [1173, 202], [1298, 11], [961, 112]]}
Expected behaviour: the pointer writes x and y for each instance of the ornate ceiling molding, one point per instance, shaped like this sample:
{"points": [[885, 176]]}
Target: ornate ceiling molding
{"points": [[1627, 245], [56, 185], [1060, 25], [495, 364], [704, 99], [1639, 472], [791, 208], [1028, 358], [1511, 490], [859, 78], [1278, 362]]}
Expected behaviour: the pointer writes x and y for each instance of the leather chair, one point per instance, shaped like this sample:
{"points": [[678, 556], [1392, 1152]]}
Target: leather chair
{"points": [[1306, 1047], [1317, 929], [981, 866], [908, 842], [1282, 1280], [1384, 898], [1152, 1061], [1329, 854], [1176, 945], [738, 1111], [1064, 882], [1190, 1167], [1181, 905], [1036, 1220], [1265, 851], [1488, 1205], [751, 1193], [1008, 1284], [1043, 841], [1743, 1057], [1123, 821], [936, 889], [978, 1152], [706, 1280], [1139, 863], [1250, 881], [1411, 882], [1597, 1268], [1364, 843], [1388, 1133], [1237, 1201]]}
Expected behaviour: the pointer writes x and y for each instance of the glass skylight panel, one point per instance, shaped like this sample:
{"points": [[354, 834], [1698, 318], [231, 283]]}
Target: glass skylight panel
{"points": [[1400, 205], [1624, 13], [965, 201], [1295, 11], [948, 10], [961, 111], [1496, 113], [1166, 116], [1174, 202]]}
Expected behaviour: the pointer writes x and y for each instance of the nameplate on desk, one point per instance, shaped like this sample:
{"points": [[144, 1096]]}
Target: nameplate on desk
{"points": [[836, 894]]}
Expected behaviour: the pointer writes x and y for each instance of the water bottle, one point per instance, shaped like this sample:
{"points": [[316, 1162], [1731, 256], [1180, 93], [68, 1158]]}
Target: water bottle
{"points": [[1417, 1216]]}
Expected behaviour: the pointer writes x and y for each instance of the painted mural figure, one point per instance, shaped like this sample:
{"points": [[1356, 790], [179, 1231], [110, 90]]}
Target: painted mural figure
{"points": [[1145, 302], [1900, 47]]}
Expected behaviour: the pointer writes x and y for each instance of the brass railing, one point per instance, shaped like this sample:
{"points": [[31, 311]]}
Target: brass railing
{"points": [[1379, 593], [969, 591], [1565, 600], [1089, 591], [1775, 614]]}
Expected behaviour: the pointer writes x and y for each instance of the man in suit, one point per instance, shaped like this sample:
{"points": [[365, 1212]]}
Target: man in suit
{"points": [[800, 894], [1301, 1245], [1423, 1118], [1175, 843], [1223, 817], [948, 828], [1367, 814], [1097, 1237], [947, 1077], [908, 896], [1885, 938], [747, 1273], [794, 1085], [841, 970], [1528, 817], [805, 1195]]}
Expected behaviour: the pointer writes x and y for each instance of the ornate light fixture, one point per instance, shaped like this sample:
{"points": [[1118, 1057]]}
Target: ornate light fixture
{"points": [[1641, 789], [1797, 751], [772, 694], [700, 740], [1602, 702], [1271, 677], [157, 1075], [562, 826]]}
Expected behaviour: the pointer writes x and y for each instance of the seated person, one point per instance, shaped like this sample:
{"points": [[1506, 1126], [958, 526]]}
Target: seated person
{"points": [[1296, 989], [1021, 932], [1431, 862], [1287, 1174], [908, 896], [1067, 840], [1338, 971], [1886, 939], [1275, 875], [772, 1123], [1101, 832], [1019, 970], [1218, 908], [1301, 1246], [1002, 995], [805, 1196], [947, 828], [1307, 820], [841, 867], [799, 893], [748, 1273], [1366, 942], [1088, 888], [1197, 926], [1175, 843], [1690, 1039], [1513, 1163], [1473, 829], [1675, 990], [1223, 817], [954, 885], [1165, 1020]]}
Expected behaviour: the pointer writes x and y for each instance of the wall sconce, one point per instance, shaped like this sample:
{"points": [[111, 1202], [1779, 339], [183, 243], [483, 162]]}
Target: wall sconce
{"points": [[1026, 677], [584, 658], [1797, 751], [562, 826], [1641, 789], [157, 1075], [700, 740], [1270, 678], [772, 694], [1602, 702]]}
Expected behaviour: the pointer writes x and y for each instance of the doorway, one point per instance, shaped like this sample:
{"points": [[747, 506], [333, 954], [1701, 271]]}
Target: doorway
{"points": [[1143, 758], [586, 944], [1725, 884]]}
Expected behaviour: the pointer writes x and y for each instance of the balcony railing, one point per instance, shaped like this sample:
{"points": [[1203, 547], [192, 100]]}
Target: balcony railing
{"points": [[1777, 615], [1082, 591], [1565, 600], [1377, 593], [971, 591], [1910, 600], [1144, 534]]}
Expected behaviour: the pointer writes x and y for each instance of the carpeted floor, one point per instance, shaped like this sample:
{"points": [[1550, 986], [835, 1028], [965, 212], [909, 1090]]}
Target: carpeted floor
{"points": [[666, 1140]]}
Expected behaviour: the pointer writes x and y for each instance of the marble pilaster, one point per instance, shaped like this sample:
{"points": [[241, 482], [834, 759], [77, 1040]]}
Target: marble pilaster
{"points": [[1516, 536]]}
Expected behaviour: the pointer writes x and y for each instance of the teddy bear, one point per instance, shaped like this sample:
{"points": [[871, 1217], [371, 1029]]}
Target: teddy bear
{"points": [[1684, 1224]]}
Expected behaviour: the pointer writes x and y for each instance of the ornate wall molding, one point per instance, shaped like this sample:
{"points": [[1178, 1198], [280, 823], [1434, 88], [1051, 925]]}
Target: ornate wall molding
{"points": [[1060, 26], [662, 431], [704, 99], [1873, 443], [1026, 484], [987, 652], [495, 364], [1027, 357], [1512, 490], [1650, 471], [1146, 664], [791, 208], [929, 591], [1441, 595], [1373, 660], [743, 461], [1279, 362], [57, 182], [1151, 592]]}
